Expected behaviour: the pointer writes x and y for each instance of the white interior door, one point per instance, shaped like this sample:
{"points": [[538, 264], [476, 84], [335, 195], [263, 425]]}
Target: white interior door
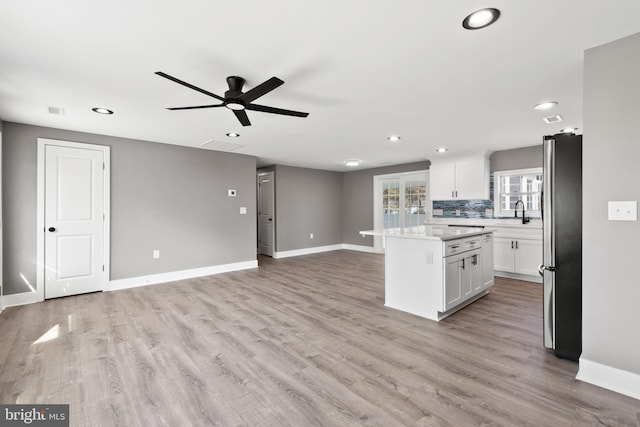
{"points": [[75, 254], [266, 229]]}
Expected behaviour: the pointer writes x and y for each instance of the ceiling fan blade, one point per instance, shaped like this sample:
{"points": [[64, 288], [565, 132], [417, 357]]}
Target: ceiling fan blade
{"points": [[260, 90], [265, 109], [242, 116], [195, 107], [189, 85]]}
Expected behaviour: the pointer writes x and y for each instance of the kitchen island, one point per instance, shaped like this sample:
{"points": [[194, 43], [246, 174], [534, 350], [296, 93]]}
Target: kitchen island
{"points": [[433, 271]]}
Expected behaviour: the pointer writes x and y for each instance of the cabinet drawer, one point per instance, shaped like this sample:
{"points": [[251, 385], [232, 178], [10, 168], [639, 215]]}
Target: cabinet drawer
{"points": [[472, 243], [457, 246], [453, 247]]}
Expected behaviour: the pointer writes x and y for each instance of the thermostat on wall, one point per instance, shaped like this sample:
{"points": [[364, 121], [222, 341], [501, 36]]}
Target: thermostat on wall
{"points": [[231, 193]]}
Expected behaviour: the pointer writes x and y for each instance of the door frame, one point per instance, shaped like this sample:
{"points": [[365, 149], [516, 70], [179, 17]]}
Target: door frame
{"points": [[40, 206], [273, 200], [378, 242]]}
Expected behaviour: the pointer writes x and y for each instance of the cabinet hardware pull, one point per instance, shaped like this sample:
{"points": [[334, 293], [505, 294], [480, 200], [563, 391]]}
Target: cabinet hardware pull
{"points": [[452, 194], [474, 260], [516, 244], [512, 244], [463, 259], [455, 246]]}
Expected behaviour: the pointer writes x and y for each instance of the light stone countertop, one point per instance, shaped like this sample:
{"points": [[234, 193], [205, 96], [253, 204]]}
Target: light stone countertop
{"points": [[429, 232]]}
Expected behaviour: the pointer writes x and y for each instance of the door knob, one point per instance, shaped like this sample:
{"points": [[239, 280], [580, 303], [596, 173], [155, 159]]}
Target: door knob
{"points": [[52, 229]]}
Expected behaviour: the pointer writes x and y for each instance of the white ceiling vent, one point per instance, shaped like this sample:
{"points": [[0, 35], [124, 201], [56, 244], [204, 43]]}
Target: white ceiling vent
{"points": [[59, 111], [220, 146], [552, 119]]}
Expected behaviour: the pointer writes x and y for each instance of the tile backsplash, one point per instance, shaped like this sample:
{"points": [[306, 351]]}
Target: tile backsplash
{"points": [[466, 208]]}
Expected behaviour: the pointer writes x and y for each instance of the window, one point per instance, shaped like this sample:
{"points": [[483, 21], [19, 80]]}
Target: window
{"points": [[400, 200], [511, 186]]}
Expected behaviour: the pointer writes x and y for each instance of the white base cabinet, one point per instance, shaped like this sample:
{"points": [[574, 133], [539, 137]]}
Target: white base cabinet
{"points": [[518, 256], [435, 278]]}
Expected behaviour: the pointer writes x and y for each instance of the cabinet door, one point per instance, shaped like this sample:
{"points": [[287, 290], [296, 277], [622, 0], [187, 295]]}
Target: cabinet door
{"points": [[452, 285], [472, 180], [503, 250], [466, 273], [442, 181], [528, 256], [487, 260], [475, 275]]}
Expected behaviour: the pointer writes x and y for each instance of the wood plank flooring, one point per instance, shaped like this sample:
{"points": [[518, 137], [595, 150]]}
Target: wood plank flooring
{"points": [[302, 341]]}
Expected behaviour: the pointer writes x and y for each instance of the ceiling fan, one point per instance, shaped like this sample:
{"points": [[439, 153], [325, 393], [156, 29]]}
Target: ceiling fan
{"points": [[236, 100]]}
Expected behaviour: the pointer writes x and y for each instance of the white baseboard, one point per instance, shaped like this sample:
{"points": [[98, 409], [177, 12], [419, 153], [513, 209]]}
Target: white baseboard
{"points": [[359, 248], [318, 249], [535, 279], [20, 299], [624, 382], [154, 279], [306, 251]]}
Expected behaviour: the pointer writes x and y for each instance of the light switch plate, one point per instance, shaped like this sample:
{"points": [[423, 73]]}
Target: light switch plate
{"points": [[623, 211], [243, 210]]}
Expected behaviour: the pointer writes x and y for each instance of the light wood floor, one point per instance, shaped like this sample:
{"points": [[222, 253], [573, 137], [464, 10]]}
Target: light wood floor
{"points": [[302, 341]]}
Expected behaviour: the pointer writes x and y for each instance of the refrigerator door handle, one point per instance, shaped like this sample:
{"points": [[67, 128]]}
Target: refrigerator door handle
{"points": [[542, 268]]}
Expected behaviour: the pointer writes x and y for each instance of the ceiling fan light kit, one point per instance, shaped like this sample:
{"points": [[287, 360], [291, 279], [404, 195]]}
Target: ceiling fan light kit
{"points": [[236, 100]]}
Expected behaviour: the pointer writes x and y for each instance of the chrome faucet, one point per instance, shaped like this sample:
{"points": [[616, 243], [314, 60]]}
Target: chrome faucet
{"points": [[515, 212]]}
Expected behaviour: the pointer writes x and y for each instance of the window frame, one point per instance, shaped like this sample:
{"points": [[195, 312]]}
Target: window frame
{"points": [[497, 191]]}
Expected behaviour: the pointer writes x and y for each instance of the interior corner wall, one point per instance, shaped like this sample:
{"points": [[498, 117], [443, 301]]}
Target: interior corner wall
{"points": [[163, 197], [611, 291], [357, 200], [307, 201]]}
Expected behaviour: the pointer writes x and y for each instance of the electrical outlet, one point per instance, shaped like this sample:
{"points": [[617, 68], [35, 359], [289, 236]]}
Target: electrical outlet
{"points": [[457, 212], [243, 210], [311, 236], [231, 193], [156, 254]]}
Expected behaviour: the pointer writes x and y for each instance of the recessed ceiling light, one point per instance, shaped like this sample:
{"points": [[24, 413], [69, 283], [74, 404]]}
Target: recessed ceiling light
{"points": [[545, 105], [568, 130], [101, 110], [441, 150], [394, 138], [352, 163], [552, 119], [233, 135], [481, 18]]}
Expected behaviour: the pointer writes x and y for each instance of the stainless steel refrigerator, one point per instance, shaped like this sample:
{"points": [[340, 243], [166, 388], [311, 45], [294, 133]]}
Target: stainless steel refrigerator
{"points": [[562, 244]]}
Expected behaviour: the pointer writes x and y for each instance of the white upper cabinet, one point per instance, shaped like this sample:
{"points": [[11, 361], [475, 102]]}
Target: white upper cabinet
{"points": [[462, 180]]}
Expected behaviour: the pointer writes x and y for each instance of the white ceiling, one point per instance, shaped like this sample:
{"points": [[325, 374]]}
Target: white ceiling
{"points": [[363, 69]]}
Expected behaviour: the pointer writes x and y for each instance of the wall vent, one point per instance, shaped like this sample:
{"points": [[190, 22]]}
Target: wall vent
{"points": [[220, 146], [59, 111], [552, 119]]}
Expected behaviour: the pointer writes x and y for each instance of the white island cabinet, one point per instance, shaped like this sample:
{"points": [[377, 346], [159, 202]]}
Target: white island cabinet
{"points": [[433, 271]]}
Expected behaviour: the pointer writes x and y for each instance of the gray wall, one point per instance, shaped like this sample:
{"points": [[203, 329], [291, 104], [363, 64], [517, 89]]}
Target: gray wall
{"points": [[307, 201], [163, 197], [517, 158], [611, 288], [357, 200]]}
